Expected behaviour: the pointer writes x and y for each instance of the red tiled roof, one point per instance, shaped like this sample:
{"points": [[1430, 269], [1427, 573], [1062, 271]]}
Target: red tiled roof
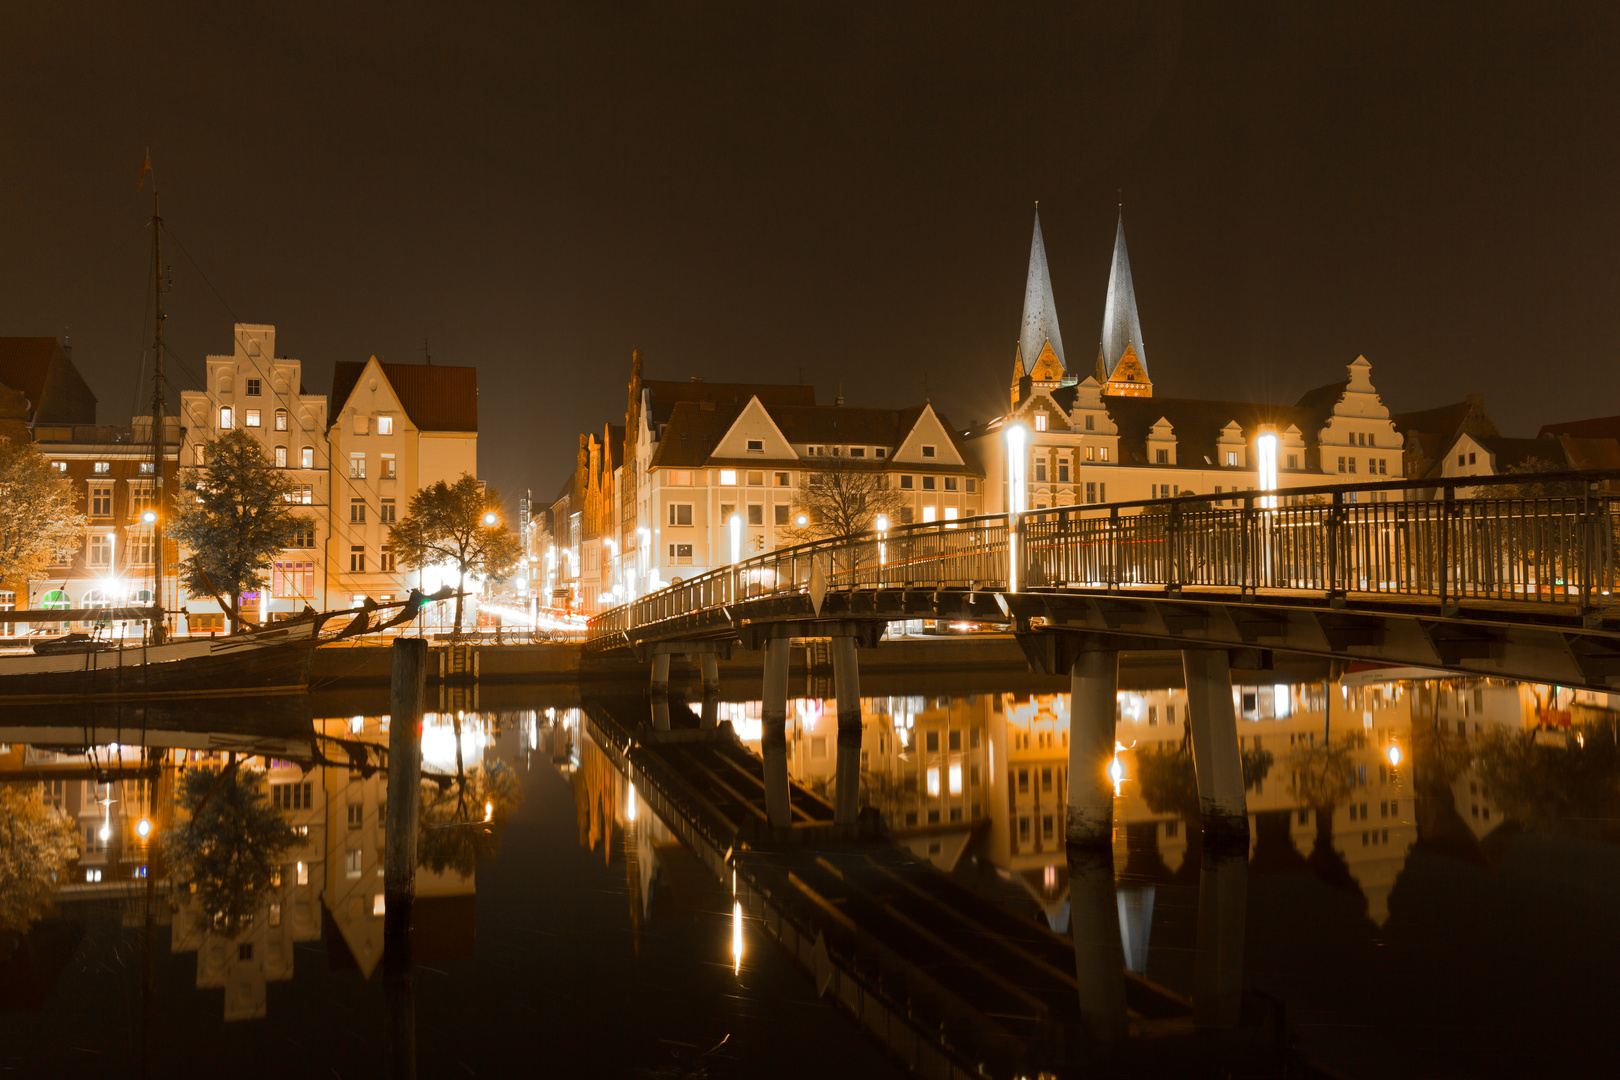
{"points": [[435, 397]]}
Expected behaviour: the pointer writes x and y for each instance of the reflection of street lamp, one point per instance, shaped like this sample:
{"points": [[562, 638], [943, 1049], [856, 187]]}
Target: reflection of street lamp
{"points": [[144, 829], [883, 532], [1394, 754], [736, 538]]}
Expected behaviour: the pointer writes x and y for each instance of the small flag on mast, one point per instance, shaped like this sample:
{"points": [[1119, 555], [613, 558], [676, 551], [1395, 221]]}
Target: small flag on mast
{"points": [[146, 170]]}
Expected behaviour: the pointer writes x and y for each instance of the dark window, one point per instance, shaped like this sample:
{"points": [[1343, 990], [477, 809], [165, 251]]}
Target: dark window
{"points": [[928, 451], [253, 388], [1161, 457], [756, 446], [956, 740], [756, 513], [933, 742], [780, 513], [1023, 781], [905, 482], [928, 483]]}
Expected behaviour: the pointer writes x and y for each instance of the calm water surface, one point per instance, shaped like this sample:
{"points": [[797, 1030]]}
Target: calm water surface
{"points": [[1430, 887]]}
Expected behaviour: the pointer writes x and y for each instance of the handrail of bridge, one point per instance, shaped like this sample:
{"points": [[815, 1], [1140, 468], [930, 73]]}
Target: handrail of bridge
{"points": [[1551, 539]]}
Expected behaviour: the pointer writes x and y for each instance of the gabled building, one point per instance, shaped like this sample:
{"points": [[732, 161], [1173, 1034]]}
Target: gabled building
{"points": [[1106, 437], [252, 389], [395, 429]]}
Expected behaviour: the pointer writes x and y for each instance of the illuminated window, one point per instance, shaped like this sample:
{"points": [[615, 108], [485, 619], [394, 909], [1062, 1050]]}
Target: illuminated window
{"points": [[929, 513], [950, 513], [281, 419], [933, 781], [1103, 453], [385, 425], [955, 779], [1231, 457], [253, 418], [1040, 421], [281, 457], [728, 476], [351, 862], [61, 466], [225, 418], [379, 904], [306, 458], [103, 467], [782, 479], [388, 468], [275, 914], [357, 466], [303, 874]]}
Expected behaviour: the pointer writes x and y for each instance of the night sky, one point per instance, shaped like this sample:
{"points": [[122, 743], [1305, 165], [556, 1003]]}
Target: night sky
{"points": [[839, 193]]}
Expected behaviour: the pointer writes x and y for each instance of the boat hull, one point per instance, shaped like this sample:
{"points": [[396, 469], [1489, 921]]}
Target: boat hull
{"points": [[210, 668]]}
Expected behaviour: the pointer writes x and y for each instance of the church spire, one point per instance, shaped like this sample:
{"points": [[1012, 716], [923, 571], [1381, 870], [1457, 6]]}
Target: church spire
{"points": [[1040, 325], [1122, 327]]}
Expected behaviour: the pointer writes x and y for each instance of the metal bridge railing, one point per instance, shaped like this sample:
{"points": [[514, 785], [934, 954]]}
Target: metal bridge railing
{"points": [[1544, 539]]}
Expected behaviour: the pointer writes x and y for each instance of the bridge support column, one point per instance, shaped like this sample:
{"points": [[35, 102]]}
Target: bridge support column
{"points": [[1099, 955], [1223, 893], [660, 691], [709, 664], [1093, 692], [1217, 759], [773, 741], [847, 777]]}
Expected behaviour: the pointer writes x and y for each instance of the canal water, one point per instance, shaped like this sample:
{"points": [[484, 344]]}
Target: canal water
{"points": [[1429, 890]]}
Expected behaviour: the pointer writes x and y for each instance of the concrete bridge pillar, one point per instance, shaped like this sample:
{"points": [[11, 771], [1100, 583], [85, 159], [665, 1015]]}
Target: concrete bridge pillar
{"points": [[773, 741], [1223, 894], [1099, 954], [709, 664], [1217, 758], [1093, 692], [660, 674], [847, 777]]}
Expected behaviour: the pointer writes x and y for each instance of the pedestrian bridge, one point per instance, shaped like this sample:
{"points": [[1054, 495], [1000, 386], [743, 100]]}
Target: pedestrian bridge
{"points": [[1508, 583]]}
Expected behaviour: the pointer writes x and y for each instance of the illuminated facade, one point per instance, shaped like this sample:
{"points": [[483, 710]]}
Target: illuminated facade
{"points": [[1104, 436]]}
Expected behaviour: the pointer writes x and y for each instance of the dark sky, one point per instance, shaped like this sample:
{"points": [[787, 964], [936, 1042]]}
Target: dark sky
{"points": [[838, 192]]}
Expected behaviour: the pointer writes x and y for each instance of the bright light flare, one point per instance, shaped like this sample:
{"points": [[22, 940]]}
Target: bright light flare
{"points": [[736, 538], [630, 804], [801, 520], [1116, 769], [490, 518], [1265, 450], [1394, 755], [105, 832], [149, 517], [489, 810], [736, 937], [143, 829], [1016, 435]]}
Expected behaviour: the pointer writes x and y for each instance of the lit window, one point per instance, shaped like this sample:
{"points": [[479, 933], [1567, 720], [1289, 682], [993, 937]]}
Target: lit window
{"points": [[933, 781], [782, 479], [306, 458], [385, 425], [225, 418], [253, 418], [281, 419], [929, 513], [950, 513], [281, 457], [378, 903], [103, 466], [303, 874], [351, 864], [388, 472], [728, 476], [1231, 457], [357, 466], [101, 550], [59, 466], [1040, 421], [1104, 453], [956, 779]]}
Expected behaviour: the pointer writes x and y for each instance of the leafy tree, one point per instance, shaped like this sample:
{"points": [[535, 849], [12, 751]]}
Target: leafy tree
{"points": [[461, 828], [458, 525], [231, 844], [234, 515], [36, 843], [39, 514], [842, 497]]}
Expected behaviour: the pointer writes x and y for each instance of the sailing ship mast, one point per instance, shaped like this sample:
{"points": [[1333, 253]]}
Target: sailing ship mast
{"points": [[159, 503]]}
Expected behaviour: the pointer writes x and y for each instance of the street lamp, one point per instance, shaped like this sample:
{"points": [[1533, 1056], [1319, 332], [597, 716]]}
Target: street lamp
{"points": [[882, 524], [490, 518], [801, 520], [736, 538], [1265, 449], [149, 517], [1017, 498]]}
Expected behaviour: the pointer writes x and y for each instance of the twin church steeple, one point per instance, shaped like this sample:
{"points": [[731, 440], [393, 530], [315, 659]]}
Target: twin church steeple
{"points": [[1121, 367]]}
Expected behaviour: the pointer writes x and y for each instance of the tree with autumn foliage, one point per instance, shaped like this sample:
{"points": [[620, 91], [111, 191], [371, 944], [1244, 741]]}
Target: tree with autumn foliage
{"points": [[36, 844], [460, 527], [39, 513]]}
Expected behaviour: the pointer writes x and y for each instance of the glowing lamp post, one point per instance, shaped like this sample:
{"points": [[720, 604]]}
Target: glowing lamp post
{"points": [[490, 518], [882, 524], [1017, 498], [1265, 450]]}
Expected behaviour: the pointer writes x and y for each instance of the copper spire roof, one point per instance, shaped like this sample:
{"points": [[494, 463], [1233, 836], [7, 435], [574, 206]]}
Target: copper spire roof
{"points": [[1040, 311], [1122, 326]]}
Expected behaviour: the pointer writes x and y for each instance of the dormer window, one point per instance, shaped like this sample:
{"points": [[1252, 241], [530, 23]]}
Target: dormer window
{"points": [[1161, 457], [1040, 421], [857, 451], [1231, 457], [756, 446], [928, 451], [880, 453]]}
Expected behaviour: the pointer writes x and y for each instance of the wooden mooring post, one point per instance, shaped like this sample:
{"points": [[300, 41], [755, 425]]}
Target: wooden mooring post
{"points": [[406, 696]]}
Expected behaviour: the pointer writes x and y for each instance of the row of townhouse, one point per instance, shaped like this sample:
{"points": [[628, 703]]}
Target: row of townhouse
{"points": [[1078, 437], [654, 502], [354, 458]]}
